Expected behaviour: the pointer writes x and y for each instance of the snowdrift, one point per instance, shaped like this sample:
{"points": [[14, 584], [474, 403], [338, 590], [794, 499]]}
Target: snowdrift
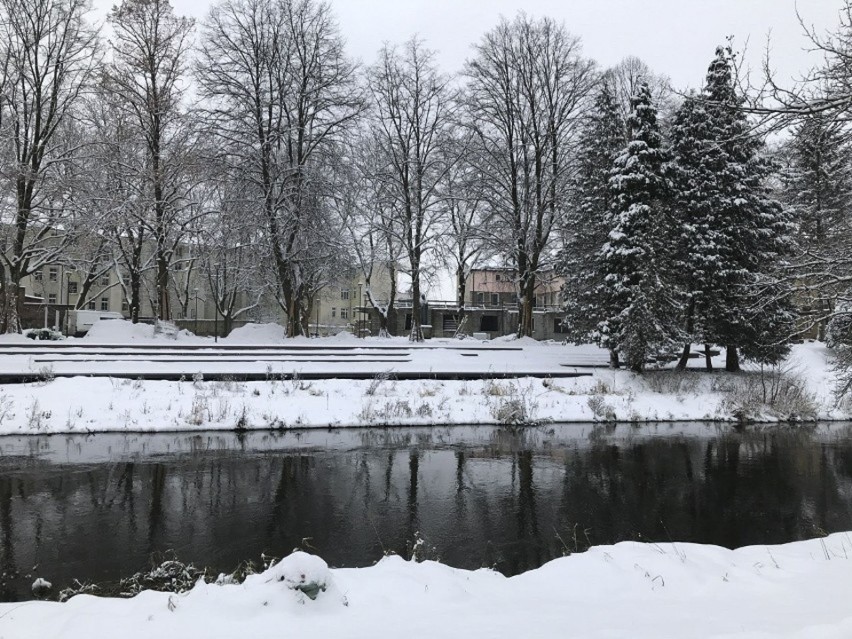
{"points": [[629, 590]]}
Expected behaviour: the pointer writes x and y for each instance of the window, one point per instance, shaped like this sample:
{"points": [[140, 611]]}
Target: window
{"points": [[488, 323], [344, 313], [495, 299], [53, 273], [91, 305], [72, 288], [104, 303], [334, 311], [39, 276], [125, 307], [499, 277], [51, 298], [559, 326], [344, 295], [480, 298], [105, 280]]}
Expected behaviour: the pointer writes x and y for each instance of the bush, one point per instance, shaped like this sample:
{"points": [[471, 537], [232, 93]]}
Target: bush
{"points": [[43, 334], [775, 390]]}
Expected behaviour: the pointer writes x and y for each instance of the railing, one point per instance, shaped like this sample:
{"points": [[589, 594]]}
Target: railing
{"points": [[453, 305]]}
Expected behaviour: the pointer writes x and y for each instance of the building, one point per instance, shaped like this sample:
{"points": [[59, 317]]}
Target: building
{"points": [[343, 304]]}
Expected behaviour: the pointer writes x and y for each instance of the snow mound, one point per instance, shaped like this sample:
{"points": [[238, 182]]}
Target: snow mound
{"points": [[41, 587], [116, 330], [258, 334], [343, 336], [14, 338], [517, 341], [301, 571]]}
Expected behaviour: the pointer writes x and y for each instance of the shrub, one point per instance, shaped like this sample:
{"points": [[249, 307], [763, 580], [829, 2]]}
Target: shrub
{"points": [[43, 334]]}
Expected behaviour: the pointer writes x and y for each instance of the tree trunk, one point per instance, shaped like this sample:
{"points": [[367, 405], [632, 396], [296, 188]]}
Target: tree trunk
{"points": [[613, 359], [732, 359], [684, 358], [135, 297], [690, 324], [525, 310], [460, 289], [383, 324], [416, 328], [708, 358], [11, 306]]}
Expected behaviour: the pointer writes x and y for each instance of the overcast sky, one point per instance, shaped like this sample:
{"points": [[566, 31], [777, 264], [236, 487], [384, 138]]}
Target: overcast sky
{"points": [[675, 37]]}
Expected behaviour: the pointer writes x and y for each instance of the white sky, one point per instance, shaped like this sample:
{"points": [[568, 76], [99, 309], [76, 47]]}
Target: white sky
{"points": [[675, 37]]}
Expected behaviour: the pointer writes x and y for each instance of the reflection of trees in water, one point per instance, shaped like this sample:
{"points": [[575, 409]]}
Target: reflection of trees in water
{"points": [[732, 490], [7, 548], [502, 502]]}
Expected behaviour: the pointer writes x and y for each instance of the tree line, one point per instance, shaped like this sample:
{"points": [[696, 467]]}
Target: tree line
{"points": [[251, 152]]}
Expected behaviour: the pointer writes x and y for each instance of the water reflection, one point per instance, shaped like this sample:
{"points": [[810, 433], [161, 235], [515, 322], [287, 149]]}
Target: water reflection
{"points": [[96, 508]]}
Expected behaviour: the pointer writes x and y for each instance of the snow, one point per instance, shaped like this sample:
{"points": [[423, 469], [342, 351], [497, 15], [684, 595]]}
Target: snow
{"points": [[104, 404], [41, 585], [14, 338], [118, 331], [257, 334], [628, 590]]}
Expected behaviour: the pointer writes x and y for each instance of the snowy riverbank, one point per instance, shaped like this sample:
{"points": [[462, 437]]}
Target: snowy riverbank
{"points": [[82, 405], [629, 590]]}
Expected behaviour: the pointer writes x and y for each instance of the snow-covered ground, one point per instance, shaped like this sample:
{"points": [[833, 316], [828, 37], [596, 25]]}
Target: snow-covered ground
{"points": [[81, 404], [629, 590]]}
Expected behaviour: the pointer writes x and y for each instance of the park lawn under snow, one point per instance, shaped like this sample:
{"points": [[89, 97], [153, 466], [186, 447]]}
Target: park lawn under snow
{"points": [[80, 404], [629, 590]]}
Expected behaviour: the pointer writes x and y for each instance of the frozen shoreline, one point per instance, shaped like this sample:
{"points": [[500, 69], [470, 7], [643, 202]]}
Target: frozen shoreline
{"points": [[631, 589]]}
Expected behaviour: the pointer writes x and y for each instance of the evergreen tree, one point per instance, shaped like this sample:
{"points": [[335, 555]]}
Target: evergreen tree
{"points": [[820, 183], [732, 235], [699, 243], [635, 257], [818, 188], [587, 223]]}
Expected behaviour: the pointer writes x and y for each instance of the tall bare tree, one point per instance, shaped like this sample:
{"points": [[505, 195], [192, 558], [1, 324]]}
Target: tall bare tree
{"points": [[48, 54], [367, 218], [463, 238], [526, 88], [150, 50], [280, 93], [413, 106]]}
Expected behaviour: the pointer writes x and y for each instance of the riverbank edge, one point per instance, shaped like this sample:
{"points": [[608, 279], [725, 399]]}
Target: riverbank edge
{"points": [[81, 405], [650, 589]]}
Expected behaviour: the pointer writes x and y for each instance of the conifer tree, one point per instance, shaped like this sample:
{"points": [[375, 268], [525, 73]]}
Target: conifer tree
{"points": [[818, 186], [696, 157], [732, 235], [635, 257], [587, 223]]}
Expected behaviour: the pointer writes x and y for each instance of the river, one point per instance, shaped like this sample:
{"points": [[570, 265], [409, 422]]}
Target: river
{"points": [[96, 508]]}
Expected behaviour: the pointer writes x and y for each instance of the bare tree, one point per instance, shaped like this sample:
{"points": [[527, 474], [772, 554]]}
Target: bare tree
{"points": [[48, 54], [413, 112], [625, 77], [151, 45], [527, 85], [463, 236], [279, 93], [368, 221], [228, 252]]}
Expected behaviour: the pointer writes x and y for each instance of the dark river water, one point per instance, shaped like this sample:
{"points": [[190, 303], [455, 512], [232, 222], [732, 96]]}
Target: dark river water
{"points": [[96, 508]]}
